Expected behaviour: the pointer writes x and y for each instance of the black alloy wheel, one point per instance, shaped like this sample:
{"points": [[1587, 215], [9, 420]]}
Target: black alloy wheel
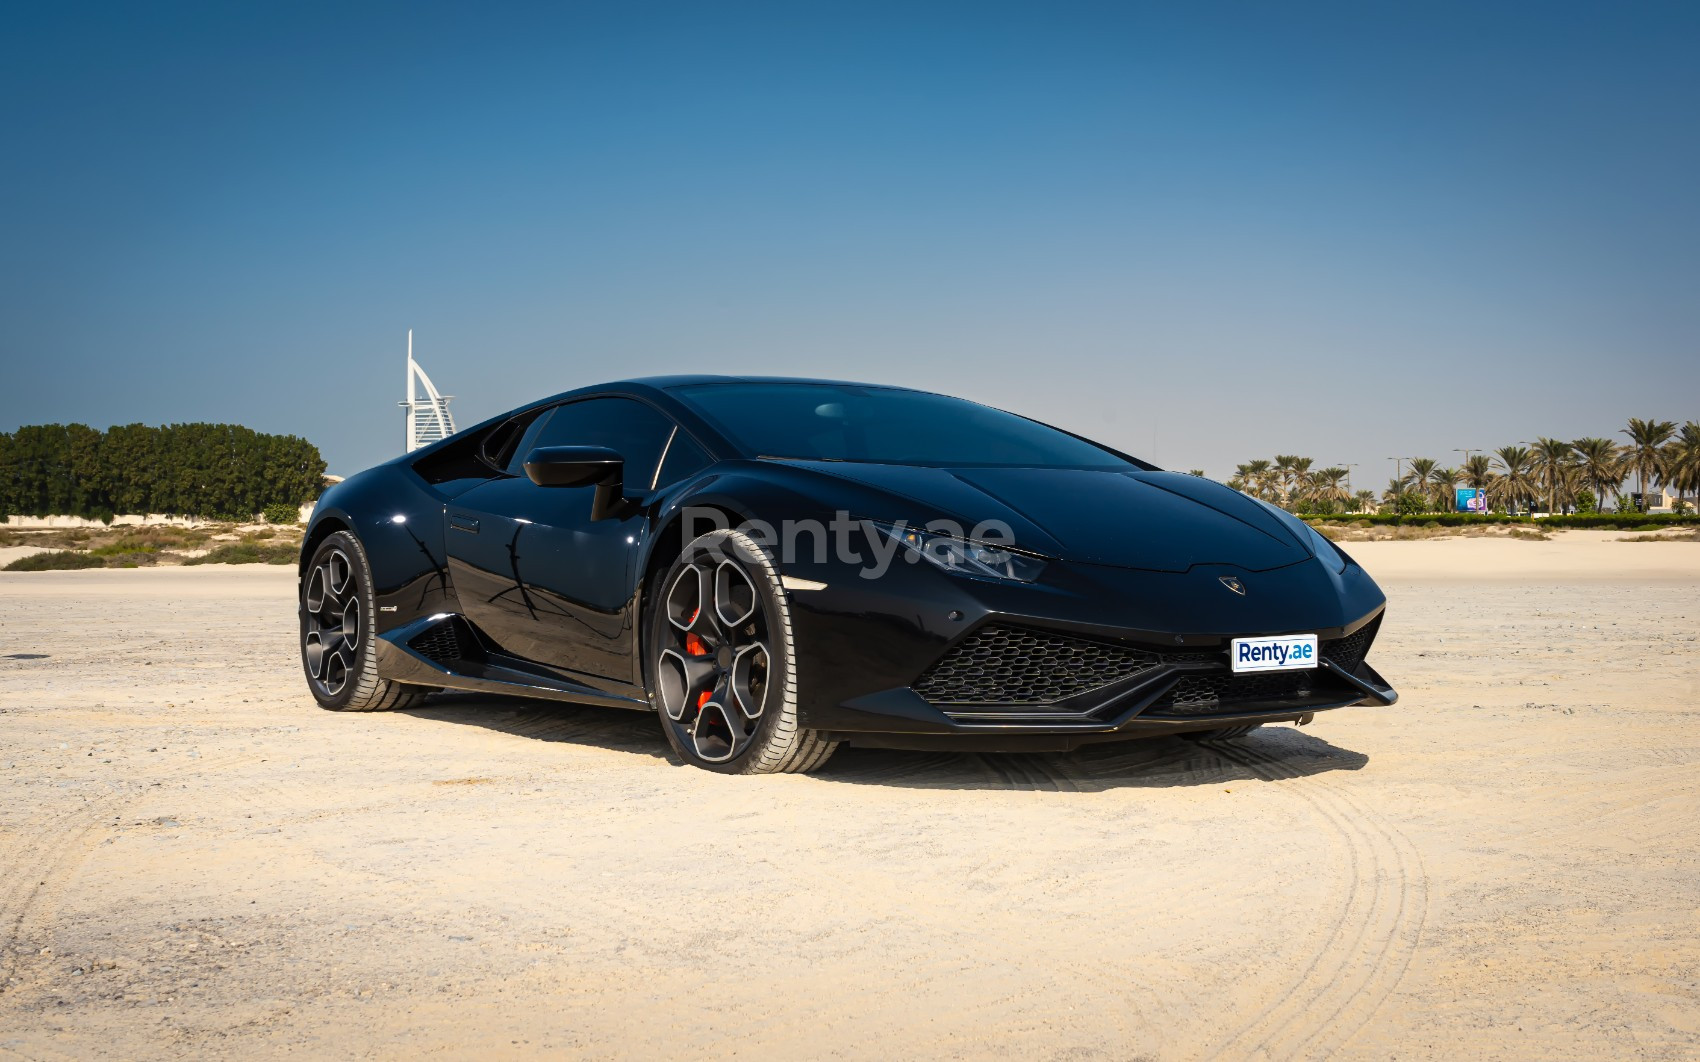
{"points": [[722, 673]]}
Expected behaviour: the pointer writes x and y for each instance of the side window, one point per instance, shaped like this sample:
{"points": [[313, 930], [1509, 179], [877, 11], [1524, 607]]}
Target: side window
{"points": [[525, 441], [683, 458], [630, 428]]}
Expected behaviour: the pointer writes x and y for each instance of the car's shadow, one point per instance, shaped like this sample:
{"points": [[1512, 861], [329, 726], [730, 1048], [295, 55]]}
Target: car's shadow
{"points": [[1265, 755]]}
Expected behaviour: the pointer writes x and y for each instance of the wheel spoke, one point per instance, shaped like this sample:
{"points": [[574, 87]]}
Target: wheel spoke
{"points": [[748, 679], [337, 667], [734, 595], [338, 573], [687, 604], [682, 680], [317, 590], [718, 733], [313, 649], [349, 625]]}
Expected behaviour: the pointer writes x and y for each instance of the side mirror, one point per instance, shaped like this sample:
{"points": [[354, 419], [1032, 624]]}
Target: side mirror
{"points": [[573, 466], [581, 466]]}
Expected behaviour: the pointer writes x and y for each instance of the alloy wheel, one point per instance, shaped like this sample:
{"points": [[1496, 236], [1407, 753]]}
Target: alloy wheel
{"points": [[330, 639], [714, 663]]}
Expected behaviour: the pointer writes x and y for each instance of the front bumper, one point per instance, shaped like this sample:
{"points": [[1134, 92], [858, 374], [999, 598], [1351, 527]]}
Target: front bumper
{"points": [[901, 718], [870, 652]]}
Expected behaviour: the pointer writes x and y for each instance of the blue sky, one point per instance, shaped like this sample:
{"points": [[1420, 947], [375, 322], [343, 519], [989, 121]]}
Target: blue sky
{"points": [[1198, 232]]}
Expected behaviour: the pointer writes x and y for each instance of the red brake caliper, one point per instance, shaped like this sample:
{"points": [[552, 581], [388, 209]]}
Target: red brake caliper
{"points": [[695, 646]]}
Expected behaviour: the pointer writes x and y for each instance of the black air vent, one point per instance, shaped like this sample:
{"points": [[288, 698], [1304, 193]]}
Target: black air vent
{"points": [[1004, 665], [442, 643]]}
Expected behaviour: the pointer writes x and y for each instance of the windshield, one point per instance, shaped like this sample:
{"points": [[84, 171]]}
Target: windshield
{"points": [[884, 425]]}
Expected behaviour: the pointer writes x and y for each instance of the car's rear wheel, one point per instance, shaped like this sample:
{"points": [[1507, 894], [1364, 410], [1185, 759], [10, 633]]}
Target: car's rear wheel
{"points": [[1221, 733], [337, 638], [721, 663]]}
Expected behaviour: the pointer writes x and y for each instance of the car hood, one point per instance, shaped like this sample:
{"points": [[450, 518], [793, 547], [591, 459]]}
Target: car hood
{"points": [[1157, 521]]}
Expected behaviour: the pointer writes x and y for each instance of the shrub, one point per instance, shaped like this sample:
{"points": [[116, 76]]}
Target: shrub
{"points": [[56, 561], [123, 547], [1410, 503], [282, 513], [248, 553], [1597, 521]]}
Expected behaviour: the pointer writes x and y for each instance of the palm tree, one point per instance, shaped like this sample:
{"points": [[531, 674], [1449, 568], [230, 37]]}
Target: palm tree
{"points": [[1294, 473], [1390, 496], [1645, 454], [1257, 477], [1418, 477], [1325, 486], [1283, 475], [1551, 468], [1363, 501], [1600, 466], [1682, 461], [1477, 471], [1513, 484], [1442, 482]]}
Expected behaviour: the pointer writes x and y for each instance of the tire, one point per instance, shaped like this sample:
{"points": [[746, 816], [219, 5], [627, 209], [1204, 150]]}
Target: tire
{"points": [[723, 680], [337, 640], [1221, 733]]}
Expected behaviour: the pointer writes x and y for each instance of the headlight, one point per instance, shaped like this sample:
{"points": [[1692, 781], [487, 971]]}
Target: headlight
{"points": [[963, 557]]}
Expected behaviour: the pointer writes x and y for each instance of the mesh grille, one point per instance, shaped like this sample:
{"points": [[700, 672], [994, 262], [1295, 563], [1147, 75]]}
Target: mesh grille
{"points": [[1208, 693], [1017, 666], [1350, 651], [441, 643]]}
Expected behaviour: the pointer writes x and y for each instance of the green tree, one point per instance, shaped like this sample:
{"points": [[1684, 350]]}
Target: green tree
{"points": [[1549, 463], [1513, 483], [1477, 471], [1645, 456], [1682, 461], [1442, 488], [1599, 465], [179, 469], [1328, 485], [1417, 479]]}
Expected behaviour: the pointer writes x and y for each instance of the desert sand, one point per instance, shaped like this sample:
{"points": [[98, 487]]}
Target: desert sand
{"points": [[197, 861]]}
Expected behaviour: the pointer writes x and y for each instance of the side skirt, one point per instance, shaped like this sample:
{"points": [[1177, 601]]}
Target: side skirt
{"points": [[468, 666]]}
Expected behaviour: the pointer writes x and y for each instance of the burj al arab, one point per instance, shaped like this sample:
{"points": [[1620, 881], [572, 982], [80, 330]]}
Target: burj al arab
{"points": [[428, 418]]}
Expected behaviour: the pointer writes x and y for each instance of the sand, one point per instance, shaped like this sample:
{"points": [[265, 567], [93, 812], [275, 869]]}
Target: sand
{"points": [[197, 861]]}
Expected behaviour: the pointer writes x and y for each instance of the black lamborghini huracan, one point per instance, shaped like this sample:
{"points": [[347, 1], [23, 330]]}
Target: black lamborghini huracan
{"points": [[777, 566]]}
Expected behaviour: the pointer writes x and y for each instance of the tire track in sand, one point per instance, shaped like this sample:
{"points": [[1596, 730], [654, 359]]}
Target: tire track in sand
{"points": [[1369, 941], [46, 853]]}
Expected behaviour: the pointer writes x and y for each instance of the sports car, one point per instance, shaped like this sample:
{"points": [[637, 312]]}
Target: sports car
{"points": [[776, 567]]}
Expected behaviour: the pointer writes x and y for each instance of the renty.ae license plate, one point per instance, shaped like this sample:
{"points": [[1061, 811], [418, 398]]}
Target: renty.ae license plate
{"points": [[1287, 652]]}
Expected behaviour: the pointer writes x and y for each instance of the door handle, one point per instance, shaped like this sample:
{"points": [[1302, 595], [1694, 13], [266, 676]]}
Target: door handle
{"points": [[463, 523]]}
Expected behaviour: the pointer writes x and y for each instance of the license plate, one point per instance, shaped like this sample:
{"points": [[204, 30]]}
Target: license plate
{"points": [[1288, 652]]}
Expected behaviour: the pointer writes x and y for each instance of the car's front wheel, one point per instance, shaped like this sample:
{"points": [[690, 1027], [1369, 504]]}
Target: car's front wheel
{"points": [[337, 637], [721, 663]]}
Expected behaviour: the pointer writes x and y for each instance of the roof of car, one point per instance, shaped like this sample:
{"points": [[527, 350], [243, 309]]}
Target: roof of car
{"points": [[673, 382], [652, 384]]}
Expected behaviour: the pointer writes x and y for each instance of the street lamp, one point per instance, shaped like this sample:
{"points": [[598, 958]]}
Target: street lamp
{"points": [[1348, 466]]}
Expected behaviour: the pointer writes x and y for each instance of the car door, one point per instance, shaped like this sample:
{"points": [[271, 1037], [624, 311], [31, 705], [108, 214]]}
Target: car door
{"points": [[533, 571]]}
